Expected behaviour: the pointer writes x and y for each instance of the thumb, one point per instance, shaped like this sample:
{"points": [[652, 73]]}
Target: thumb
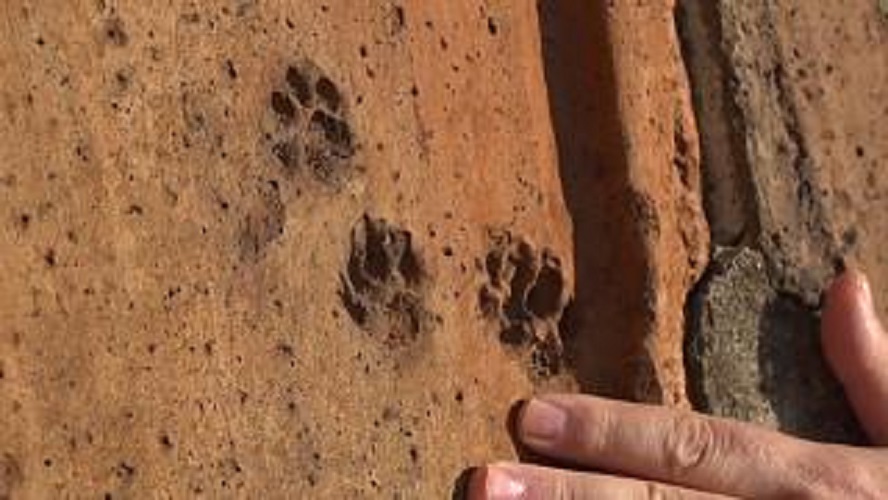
{"points": [[856, 347]]}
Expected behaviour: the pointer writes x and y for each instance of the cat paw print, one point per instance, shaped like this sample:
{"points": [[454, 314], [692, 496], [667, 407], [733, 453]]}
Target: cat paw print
{"points": [[312, 132], [525, 294], [384, 284]]}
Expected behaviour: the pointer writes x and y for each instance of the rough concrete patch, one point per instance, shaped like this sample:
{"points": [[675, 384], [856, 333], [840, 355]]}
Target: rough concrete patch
{"points": [[754, 354], [762, 168]]}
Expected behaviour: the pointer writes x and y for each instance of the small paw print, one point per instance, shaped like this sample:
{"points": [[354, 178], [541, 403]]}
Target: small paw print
{"points": [[312, 133]]}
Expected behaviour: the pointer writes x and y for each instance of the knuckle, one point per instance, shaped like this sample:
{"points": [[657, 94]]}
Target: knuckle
{"points": [[691, 443]]}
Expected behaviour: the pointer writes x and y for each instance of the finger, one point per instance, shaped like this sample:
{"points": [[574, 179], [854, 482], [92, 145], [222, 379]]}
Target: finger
{"points": [[690, 450], [525, 482], [856, 347]]}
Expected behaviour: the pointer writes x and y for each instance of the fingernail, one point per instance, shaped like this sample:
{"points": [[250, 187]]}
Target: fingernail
{"points": [[542, 423], [500, 484], [871, 316], [863, 289]]}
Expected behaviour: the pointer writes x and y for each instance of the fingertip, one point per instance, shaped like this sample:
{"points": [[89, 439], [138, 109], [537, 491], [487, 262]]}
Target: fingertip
{"points": [[856, 347], [542, 424], [495, 482], [850, 326], [851, 285], [477, 489]]}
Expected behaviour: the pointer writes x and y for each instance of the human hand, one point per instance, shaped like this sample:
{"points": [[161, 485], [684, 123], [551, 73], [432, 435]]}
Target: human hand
{"points": [[658, 453]]}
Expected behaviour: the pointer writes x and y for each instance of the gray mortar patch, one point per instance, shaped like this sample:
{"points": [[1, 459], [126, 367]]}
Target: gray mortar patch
{"points": [[753, 354]]}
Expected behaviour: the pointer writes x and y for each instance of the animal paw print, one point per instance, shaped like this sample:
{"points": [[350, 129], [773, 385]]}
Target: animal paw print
{"points": [[526, 294], [384, 283], [312, 130]]}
